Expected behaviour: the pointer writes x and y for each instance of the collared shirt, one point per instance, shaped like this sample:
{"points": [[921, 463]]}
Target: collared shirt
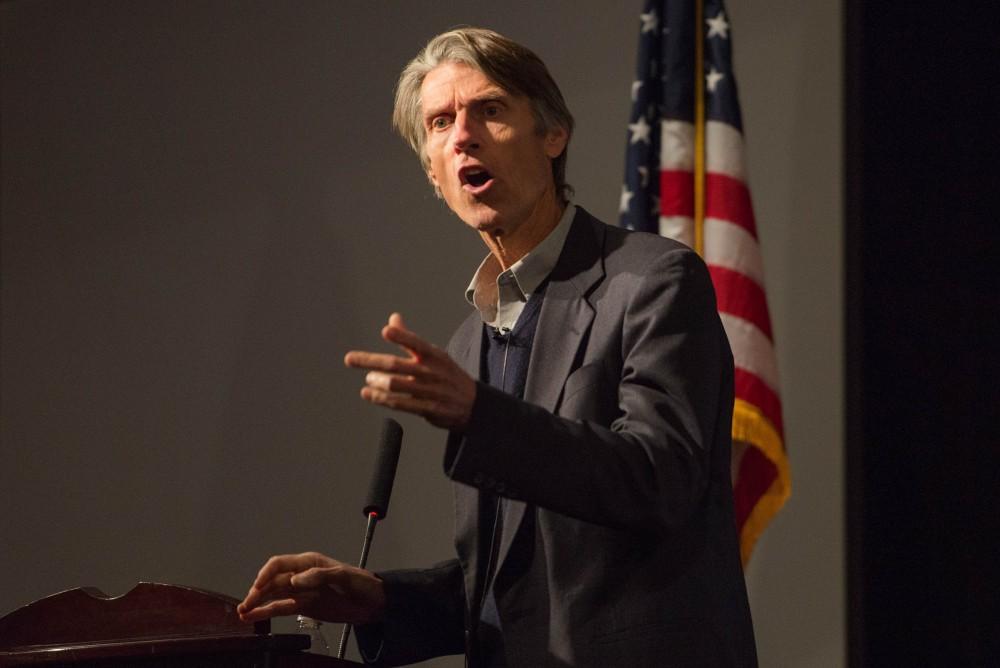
{"points": [[500, 296]]}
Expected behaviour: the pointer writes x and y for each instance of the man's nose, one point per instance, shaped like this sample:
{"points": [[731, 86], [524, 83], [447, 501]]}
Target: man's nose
{"points": [[466, 135]]}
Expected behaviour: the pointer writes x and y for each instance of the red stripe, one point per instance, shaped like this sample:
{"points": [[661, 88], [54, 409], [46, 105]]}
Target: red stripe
{"points": [[740, 295], [727, 198], [753, 390], [676, 193], [755, 477]]}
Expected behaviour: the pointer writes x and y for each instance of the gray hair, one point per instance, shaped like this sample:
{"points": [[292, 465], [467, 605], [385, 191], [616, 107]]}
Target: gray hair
{"points": [[506, 63]]}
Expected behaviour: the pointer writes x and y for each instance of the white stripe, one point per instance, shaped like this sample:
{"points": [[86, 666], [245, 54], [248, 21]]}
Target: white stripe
{"points": [[677, 145], [680, 228], [724, 149], [731, 246], [752, 350]]}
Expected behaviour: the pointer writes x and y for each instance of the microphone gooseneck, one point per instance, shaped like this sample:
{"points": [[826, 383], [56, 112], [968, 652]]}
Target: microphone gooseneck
{"points": [[377, 503]]}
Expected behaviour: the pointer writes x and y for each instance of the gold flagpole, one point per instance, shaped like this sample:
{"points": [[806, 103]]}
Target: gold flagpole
{"points": [[699, 128]]}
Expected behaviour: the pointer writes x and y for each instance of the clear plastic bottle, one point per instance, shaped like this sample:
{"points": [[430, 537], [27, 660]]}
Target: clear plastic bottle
{"points": [[313, 628]]}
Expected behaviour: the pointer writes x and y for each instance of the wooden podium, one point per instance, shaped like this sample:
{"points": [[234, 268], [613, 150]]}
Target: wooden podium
{"points": [[152, 626]]}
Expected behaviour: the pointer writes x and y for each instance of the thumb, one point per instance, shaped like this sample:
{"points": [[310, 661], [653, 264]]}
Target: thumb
{"points": [[396, 320]]}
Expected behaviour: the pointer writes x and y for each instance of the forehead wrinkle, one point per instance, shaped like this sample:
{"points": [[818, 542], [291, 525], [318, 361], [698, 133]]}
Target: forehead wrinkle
{"points": [[486, 90]]}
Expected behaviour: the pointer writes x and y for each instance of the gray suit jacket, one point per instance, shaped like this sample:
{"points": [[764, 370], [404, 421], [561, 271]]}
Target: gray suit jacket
{"points": [[619, 546]]}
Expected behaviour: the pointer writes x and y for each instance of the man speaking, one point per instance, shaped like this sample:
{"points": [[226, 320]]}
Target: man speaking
{"points": [[588, 401]]}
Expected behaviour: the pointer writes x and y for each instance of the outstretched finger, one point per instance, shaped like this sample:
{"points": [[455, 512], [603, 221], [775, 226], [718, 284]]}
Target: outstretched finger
{"points": [[409, 341], [419, 386], [360, 359], [276, 587], [281, 607], [401, 402]]}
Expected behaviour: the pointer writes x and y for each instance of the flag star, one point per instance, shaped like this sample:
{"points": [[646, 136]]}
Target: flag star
{"points": [[712, 79], [718, 26], [636, 85], [640, 131], [650, 22], [625, 200], [644, 176]]}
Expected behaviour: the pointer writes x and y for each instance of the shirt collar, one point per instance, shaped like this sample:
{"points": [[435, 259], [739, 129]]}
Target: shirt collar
{"points": [[490, 287]]}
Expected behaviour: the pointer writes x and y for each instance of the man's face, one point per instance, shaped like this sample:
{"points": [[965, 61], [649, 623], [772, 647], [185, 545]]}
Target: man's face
{"points": [[484, 151]]}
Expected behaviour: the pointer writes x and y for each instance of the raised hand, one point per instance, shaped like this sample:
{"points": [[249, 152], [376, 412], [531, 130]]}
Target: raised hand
{"points": [[425, 381]]}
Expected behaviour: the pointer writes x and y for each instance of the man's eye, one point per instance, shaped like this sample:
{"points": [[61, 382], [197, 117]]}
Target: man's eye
{"points": [[492, 110], [439, 123]]}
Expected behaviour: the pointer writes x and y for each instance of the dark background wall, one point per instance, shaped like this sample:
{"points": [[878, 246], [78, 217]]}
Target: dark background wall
{"points": [[203, 208]]}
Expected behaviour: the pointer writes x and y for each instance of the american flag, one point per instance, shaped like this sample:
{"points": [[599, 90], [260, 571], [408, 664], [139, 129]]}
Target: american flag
{"points": [[684, 178]]}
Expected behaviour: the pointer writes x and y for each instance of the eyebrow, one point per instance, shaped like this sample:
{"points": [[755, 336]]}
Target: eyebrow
{"points": [[491, 95], [495, 94]]}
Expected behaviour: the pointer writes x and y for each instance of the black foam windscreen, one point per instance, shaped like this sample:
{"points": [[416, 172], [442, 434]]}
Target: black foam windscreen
{"points": [[385, 469]]}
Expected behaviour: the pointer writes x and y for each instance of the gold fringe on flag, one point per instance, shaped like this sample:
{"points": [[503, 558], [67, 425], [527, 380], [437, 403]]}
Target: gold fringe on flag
{"points": [[751, 427]]}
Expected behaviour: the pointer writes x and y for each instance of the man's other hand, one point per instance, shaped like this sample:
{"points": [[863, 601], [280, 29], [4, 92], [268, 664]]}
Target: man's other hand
{"points": [[426, 381], [316, 586]]}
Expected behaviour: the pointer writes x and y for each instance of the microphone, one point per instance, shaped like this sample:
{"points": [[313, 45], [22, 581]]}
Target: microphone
{"points": [[385, 470], [377, 502], [500, 333]]}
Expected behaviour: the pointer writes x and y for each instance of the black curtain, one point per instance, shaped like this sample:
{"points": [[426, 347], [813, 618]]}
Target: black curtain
{"points": [[922, 371]]}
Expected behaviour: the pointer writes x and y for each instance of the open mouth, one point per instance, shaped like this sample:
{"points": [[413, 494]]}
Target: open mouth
{"points": [[475, 177]]}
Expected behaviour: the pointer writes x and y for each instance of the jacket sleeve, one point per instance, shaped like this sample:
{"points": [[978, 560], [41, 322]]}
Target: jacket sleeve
{"points": [[424, 618], [646, 464]]}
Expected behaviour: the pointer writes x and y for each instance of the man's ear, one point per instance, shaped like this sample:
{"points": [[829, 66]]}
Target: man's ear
{"points": [[555, 142], [434, 181]]}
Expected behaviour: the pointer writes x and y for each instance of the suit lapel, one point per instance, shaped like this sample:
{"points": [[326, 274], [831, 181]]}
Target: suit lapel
{"points": [[563, 324], [470, 337], [466, 497], [566, 314]]}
